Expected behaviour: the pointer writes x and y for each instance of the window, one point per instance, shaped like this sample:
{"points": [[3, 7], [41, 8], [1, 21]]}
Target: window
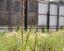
{"points": [[1, 5], [32, 13], [32, 6], [17, 6], [8, 5]]}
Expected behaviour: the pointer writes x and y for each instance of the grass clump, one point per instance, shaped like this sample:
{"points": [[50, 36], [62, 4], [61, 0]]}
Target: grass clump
{"points": [[31, 40]]}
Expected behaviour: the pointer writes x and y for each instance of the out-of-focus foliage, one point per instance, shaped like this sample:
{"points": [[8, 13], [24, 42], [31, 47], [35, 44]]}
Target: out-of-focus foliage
{"points": [[31, 40]]}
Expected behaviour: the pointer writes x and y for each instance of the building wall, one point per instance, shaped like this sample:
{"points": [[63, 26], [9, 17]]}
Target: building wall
{"points": [[13, 9], [42, 17]]}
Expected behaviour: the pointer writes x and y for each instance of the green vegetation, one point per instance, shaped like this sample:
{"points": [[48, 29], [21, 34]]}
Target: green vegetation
{"points": [[31, 40]]}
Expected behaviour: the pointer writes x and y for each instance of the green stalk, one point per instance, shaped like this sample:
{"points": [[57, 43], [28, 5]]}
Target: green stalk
{"points": [[35, 42], [27, 37]]}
